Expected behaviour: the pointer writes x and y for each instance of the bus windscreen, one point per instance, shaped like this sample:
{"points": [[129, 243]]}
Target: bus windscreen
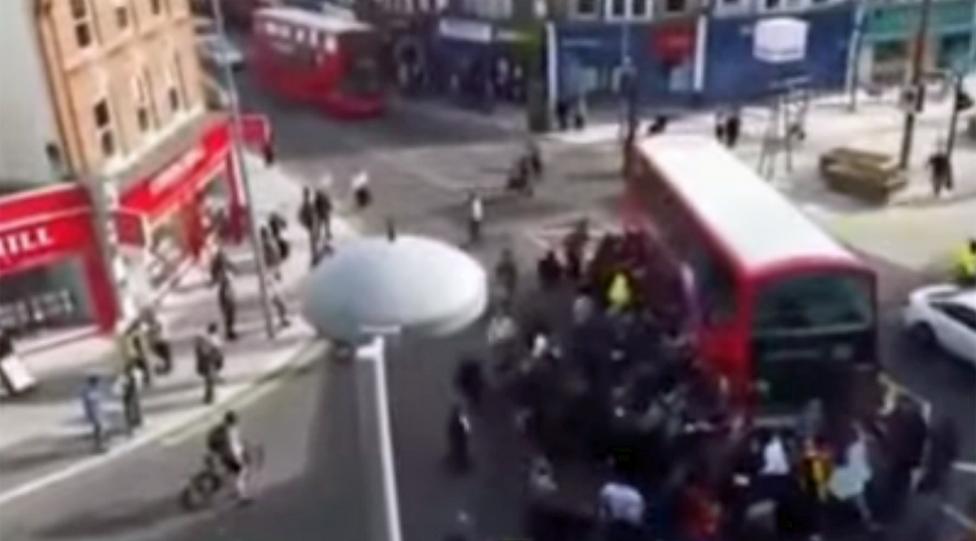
{"points": [[814, 304]]}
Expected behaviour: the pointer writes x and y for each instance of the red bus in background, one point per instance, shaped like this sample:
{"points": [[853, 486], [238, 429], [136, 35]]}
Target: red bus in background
{"points": [[326, 61], [777, 306]]}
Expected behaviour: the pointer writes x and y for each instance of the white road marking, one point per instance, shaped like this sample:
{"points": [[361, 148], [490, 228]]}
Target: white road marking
{"points": [[965, 467], [242, 399], [300, 358], [959, 517]]}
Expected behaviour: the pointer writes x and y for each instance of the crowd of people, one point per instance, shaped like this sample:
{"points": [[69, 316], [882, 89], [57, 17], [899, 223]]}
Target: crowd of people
{"points": [[617, 391]]}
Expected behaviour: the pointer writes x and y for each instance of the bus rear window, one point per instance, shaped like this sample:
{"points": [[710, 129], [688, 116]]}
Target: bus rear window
{"points": [[814, 304]]}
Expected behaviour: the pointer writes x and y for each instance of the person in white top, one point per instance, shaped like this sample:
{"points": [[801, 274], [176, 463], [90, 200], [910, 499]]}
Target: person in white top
{"points": [[360, 190], [621, 503], [475, 217]]}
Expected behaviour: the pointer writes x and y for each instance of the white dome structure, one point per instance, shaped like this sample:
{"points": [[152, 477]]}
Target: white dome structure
{"points": [[377, 286]]}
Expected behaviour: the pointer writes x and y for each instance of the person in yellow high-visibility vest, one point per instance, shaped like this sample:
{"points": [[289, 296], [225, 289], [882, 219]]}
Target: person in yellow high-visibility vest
{"points": [[964, 265], [619, 294]]}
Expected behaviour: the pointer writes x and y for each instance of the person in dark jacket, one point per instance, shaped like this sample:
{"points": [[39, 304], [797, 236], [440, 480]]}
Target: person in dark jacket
{"points": [[323, 212], [904, 436], [458, 436], [209, 360], [942, 453], [941, 169], [469, 380], [308, 219], [227, 302], [131, 391], [220, 267], [549, 270]]}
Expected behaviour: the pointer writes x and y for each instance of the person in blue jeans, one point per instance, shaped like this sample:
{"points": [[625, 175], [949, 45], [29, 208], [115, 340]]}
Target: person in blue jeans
{"points": [[92, 400]]}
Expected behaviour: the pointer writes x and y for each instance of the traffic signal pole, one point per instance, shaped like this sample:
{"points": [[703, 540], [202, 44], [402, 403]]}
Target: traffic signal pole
{"points": [[960, 102], [918, 59], [237, 134]]}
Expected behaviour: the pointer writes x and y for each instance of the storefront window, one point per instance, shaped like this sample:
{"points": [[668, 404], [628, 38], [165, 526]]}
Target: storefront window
{"points": [[45, 298]]}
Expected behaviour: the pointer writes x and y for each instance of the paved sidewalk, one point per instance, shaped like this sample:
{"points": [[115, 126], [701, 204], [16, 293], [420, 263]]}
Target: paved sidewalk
{"points": [[45, 434], [914, 229]]}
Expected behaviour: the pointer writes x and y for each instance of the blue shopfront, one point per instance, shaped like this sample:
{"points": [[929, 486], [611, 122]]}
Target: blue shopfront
{"points": [[591, 58], [733, 74], [477, 62]]}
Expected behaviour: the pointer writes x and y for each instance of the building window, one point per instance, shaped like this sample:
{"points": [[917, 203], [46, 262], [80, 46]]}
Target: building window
{"points": [[628, 9], [174, 85], [641, 8], [140, 91], [122, 16], [103, 128], [82, 22], [585, 8], [616, 9], [675, 6]]}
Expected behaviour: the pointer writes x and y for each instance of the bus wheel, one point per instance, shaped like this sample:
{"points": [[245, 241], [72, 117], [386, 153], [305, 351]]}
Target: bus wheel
{"points": [[923, 335]]}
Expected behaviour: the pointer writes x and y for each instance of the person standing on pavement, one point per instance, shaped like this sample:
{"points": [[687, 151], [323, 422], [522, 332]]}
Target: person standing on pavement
{"points": [[506, 273], [476, 215], [362, 195], [323, 212], [278, 225], [274, 294], [130, 391], [220, 267], [308, 219], [134, 351], [227, 303], [733, 125], [458, 439], [156, 337], [210, 360], [92, 402], [941, 171], [271, 251]]}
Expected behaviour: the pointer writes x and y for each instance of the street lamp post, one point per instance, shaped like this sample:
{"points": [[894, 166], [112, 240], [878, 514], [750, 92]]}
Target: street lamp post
{"points": [[918, 59], [236, 136], [374, 288]]}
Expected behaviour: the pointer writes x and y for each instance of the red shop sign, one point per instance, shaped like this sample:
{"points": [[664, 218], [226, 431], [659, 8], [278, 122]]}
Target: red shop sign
{"points": [[32, 244], [674, 42], [162, 191], [43, 225]]}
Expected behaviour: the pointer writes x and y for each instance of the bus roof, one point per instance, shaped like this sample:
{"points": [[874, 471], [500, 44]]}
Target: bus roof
{"points": [[743, 211], [309, 19]]}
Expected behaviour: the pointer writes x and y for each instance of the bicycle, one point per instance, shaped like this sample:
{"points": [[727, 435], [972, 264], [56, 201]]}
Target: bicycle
{"points": [[203, 487]]}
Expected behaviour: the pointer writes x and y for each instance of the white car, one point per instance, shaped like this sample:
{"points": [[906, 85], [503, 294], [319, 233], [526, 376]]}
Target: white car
{"points": [[219, 52], [944, 316]]}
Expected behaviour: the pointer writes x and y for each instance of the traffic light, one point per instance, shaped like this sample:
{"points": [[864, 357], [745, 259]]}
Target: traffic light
{"points": [[963, 100]]}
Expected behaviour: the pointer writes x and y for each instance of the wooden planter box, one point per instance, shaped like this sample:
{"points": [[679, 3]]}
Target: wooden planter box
{"points": [[870, 176]]}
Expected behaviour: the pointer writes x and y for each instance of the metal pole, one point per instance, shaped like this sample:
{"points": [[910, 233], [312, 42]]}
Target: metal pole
{"points": [[236, 136], [954, 118], [376, 442], [860, 22], [918, 58]]}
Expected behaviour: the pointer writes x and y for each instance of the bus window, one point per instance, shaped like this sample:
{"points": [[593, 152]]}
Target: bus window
{"points": [[814, 304], [715, 285], [362, 77]]}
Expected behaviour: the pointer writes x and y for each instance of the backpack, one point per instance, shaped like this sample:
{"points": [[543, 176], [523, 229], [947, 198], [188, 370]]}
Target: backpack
{"points": [[217, 439]]}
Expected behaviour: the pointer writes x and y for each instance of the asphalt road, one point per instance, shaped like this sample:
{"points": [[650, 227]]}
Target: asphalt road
{"points": [[422, 166]]}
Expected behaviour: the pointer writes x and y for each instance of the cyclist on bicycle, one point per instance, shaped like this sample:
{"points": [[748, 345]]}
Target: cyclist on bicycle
{"points": [[225, 443]]}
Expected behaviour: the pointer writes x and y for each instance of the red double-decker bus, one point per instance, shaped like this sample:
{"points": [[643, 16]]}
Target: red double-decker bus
{"points": [[330, 62], [777, 305]]}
